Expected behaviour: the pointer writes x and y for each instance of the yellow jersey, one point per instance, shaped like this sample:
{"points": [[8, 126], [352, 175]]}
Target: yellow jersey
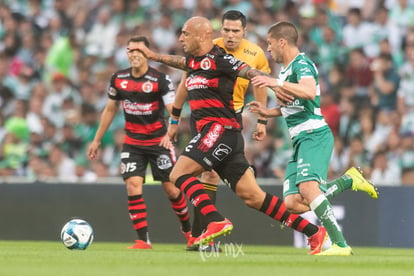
{"points": [[254, 56]]}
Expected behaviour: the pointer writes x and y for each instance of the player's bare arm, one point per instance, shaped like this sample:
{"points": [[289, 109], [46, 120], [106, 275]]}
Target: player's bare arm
{"points": [[260, 95], [304, 89], [107, 117], [256, 107], [180, 98], [181, 94], [249, 73], [170, 60]]}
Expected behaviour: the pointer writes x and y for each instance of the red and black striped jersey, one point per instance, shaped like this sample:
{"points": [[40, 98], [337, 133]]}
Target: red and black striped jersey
{"points": [[210, 84], [143, 105]]}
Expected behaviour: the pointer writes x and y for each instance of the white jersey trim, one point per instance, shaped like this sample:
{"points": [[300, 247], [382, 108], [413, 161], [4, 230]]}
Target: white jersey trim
{"points": [[310, 124]]}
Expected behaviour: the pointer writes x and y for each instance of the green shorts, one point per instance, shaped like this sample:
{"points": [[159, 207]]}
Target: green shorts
{"points": [[310, 159]]}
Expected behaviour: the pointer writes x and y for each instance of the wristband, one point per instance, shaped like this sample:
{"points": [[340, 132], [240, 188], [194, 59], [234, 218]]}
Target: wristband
{"points": [[261, 121], [279, 83], [176, 112], [173, 121]]}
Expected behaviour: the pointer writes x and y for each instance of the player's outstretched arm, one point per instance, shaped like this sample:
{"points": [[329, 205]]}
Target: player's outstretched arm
{"points": [[170, 60], [257, 108]]}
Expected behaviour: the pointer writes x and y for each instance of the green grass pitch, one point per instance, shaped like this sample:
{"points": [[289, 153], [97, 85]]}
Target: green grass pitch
{"points": [[101, 258]]}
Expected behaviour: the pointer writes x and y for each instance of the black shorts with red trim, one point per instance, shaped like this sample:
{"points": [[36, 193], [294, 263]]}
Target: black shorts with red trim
{"points": [[135, 160], [219, 148]]}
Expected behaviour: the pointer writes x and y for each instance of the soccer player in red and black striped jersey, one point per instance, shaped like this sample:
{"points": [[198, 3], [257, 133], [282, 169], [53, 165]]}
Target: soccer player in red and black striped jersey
{"points": [[144, 94], [210, 78]]}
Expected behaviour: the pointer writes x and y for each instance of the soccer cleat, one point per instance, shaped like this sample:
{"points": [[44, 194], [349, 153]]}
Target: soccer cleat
{"points": [[317, 240], [190, 244], [336, 250], [214, 230], [359, 183], [140, 244], [187, 236]]}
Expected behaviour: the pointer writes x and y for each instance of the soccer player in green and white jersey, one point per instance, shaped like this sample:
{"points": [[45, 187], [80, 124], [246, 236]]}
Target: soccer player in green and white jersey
{"points": [[298, 92]]}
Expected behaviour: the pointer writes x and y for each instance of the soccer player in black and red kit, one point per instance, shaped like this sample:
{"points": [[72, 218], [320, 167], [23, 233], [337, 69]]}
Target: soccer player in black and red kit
{"points": [[219, 145], [144, 93]]}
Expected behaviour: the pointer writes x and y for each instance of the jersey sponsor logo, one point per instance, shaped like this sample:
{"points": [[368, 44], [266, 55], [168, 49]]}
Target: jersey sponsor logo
{"points": [[124, 75], [112, 91], [147, 87], [205, 64], [151, 78], [125, 155], [195, 139], [238, 64], [249, 52], [164, 162], [199, 82], [211, 137], [304, 172], [137, 108], [124, 84], [221, 151]]}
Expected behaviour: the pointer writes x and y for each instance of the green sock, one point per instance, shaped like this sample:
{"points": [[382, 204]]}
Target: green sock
{"points": [[324, 212], [336, 186]]}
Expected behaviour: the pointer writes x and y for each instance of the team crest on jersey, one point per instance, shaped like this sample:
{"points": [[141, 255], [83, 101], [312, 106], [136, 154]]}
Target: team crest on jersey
{"points": [[164, 162], [147, 87], [205, 64], [112, 91]]}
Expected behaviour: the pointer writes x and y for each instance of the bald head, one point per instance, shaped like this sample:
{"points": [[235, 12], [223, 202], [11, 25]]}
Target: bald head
{"points": [[197, 36], [200, 23]]}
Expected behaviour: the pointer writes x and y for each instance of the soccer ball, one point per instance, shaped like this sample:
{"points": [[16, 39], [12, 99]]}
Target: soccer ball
{"points": [[77, 234]]}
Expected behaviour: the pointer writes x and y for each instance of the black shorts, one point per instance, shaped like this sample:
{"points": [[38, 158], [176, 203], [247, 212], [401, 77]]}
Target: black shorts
{"points": [[135, 159], [221, 149]]}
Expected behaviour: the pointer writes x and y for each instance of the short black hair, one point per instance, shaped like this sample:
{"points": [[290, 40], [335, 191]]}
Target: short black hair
{"points": [[139, 39], [235, 15]]}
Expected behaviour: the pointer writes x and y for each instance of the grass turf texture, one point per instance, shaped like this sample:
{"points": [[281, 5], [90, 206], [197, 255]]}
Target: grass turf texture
{"points": [[52, 258]]}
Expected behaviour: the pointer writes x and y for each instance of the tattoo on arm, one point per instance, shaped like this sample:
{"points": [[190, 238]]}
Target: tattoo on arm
{"points": [[249, 73], [173, 61]]}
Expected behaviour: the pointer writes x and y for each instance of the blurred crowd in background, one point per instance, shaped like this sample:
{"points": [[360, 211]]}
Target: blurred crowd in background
{"points": [[57, 57]]}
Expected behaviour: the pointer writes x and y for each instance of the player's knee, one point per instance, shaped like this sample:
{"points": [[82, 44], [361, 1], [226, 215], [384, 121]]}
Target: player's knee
{"points": [[173, 177], [210, 177], [171, 190], [134, 185]]}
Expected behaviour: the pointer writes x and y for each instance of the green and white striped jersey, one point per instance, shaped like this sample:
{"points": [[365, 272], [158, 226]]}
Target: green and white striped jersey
{"points": [[302, 115]]}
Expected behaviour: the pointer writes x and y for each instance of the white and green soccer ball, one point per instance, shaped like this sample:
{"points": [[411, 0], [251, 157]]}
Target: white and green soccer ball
{"points": [[77, 234]]}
